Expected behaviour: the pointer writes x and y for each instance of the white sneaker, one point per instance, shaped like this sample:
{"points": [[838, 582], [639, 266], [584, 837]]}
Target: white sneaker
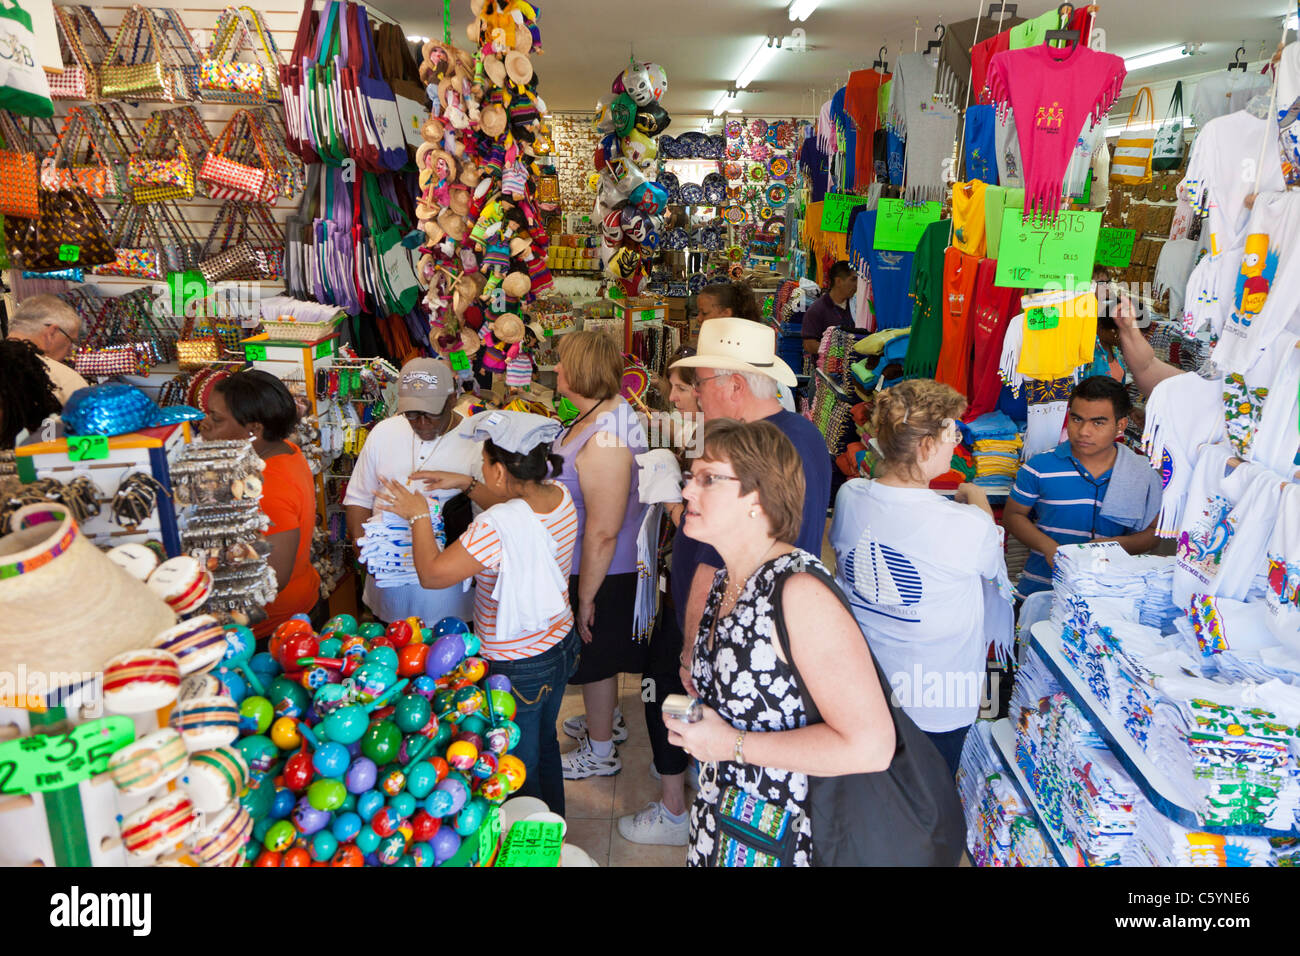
{"points": [[652, 825], [582, 763], [576, 727], [692, 774]]}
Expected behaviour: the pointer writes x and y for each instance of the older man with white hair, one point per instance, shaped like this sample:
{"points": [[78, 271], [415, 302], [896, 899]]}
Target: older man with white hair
{"points": [[53, 327]]}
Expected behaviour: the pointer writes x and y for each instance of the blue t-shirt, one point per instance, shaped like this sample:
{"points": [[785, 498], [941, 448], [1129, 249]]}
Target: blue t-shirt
{"points": [[891, 273], [817, 166], [897, 152], [689, 554], [981, 146], [1065, 504], [845, 122]]}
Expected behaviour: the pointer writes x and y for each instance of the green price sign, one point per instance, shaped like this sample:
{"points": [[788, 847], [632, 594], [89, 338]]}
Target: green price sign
{"points": [[1115, 247], [1041, 318], [458, 360], [489, 834], [899, 227], [69, 253], [324, 349], [87, 447], [836, 210], [189, 292], [1044, 253], [648, 315], [255, 352], [48, 762], [533, 843]]}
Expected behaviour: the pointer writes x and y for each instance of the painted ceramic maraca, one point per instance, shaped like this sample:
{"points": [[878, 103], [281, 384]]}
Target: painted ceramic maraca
{"points": [[215, 777], [199, 643], [149, 762], [206, 722], [139, 681]]}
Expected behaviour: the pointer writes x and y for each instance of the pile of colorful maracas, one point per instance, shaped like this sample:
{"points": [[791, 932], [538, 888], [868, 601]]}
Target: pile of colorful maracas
{"points": [[366, 745]]}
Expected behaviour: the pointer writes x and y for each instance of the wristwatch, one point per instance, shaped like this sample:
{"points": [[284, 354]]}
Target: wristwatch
{"points": [[739, 754]]}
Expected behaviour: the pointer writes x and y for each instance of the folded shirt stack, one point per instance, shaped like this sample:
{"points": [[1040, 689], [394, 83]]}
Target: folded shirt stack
{"points": [[1029, 844], [995, 448], [387, 549], [990, 800], [1161, 842]]}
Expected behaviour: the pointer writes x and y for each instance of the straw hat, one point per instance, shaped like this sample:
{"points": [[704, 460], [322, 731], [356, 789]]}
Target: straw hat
{"points": [[517, 285], [64, 606], [495, 70], [739, 345], [492, 120], [519, 68]]}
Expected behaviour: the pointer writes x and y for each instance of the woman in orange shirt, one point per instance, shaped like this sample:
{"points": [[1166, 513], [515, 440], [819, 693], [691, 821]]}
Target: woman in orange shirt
{"points": [[255, 405]]}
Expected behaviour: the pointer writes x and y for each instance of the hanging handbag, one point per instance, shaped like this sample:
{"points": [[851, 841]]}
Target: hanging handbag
{"points": [[1131, 163], [1170, 144], [297, 235], [227, 170], [195, 349], [292, 89], [183, 51], [19, 181], [69, 231], [138, 66], [24, 88], [324, 81], [906, 815], [60, 169], [221, 78], [244, 244], [138, 246], [83, 43], [287, 168], [265, 51], [376, 101], [162, 170], [399, 68]]}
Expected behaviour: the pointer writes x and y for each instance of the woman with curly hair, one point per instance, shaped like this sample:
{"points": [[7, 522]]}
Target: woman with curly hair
{"points": [[27, 394], [925, 576]]}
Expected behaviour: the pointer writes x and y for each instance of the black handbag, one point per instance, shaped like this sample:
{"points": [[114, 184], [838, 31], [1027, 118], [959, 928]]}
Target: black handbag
{"points": [[907, 815]]}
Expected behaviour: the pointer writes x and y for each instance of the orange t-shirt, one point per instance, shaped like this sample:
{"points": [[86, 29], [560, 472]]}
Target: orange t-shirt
{"points": [[959, 273], [289, 500]]}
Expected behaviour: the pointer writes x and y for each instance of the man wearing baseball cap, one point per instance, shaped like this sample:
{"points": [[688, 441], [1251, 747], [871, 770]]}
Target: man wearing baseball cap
{"points": [[421, 439]]}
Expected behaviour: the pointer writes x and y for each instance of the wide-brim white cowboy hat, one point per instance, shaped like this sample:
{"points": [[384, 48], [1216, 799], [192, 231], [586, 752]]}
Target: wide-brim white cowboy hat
{"points": [[739, 345]]}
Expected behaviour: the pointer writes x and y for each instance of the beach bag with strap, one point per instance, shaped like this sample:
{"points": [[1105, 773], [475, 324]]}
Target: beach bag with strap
{"points": [[1170, 144], [1131, 163]]}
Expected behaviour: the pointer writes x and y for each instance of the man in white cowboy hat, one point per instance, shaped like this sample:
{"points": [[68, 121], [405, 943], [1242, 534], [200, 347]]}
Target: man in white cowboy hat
{"points": [[737, 373], [421, 440]]}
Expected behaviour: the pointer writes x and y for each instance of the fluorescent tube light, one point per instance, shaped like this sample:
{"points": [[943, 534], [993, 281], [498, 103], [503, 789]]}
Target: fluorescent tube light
{"points": [[758, 60], [802, 9], [720, 105], [1154, 58]]}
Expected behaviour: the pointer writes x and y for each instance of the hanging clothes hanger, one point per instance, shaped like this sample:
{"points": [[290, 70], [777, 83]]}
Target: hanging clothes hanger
{"points": [[1064, 13], [936, 44], [881, 64], [1237, 62]]}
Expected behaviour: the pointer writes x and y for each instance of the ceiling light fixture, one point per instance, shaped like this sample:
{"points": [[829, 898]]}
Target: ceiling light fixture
{"points": [[757, 61], [802, 9], [1154, 58], [720, 105], [416, 39]]}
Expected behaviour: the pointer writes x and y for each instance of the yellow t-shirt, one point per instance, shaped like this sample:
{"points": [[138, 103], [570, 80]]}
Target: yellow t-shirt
{"points": [[1060, 334], [968, 217]]}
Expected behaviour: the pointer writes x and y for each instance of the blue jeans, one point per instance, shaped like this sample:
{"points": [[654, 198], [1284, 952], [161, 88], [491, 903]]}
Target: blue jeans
{"points": [[538, 684], [950, 743]]}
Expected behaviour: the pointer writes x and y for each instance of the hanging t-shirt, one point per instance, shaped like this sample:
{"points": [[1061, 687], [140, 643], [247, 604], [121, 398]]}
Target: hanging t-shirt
{"points": [[1223, 93], [1031, 32], [890, 272], [959, 274], [1055, 90], [1091, 140], [968, 217], [1007, 143], [926, 293], [897, 157], [1060, 330], [981, 144], [981, 54], [906, 558], [848, 131], [816, 166], [996, 200], [1282, 598], [993, 309], [861, 100]]}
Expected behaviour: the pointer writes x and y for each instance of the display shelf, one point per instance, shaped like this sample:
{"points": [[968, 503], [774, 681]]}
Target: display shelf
{"points": [[1004, 739], [1154, 784]]}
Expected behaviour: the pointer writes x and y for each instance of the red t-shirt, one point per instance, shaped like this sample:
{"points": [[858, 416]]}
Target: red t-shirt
{"points": [[994, 307], [289, 500], [861, 100]]}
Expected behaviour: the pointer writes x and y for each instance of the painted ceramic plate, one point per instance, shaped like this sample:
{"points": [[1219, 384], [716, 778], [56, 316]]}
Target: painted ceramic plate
{"points": [[697, 282], [715, 189], [735, 129], [758, 174], [777, 194], [692, 194], [758, 128], [779, 167], [736, 215], [716, 147]]}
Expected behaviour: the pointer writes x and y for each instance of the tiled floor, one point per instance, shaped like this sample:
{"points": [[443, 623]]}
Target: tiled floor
{"points": [[594, 805]]}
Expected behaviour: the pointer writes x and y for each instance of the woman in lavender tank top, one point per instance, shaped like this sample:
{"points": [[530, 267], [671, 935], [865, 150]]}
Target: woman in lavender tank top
{"points": [[599, 451]]}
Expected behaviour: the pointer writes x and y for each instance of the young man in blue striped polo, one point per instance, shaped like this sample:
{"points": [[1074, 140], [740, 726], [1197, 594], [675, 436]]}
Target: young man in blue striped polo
{"points": [[1089, 488]]}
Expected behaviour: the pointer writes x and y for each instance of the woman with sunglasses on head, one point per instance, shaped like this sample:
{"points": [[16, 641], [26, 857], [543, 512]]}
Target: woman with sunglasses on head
{"points": [[255, 406], [420, 442]]}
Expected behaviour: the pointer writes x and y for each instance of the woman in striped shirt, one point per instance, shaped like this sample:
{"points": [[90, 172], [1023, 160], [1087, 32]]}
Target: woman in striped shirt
{"points": [[519, 552]]}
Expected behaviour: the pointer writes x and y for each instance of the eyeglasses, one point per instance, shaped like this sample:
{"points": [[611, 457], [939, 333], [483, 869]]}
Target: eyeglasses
{"points": [[701, 381], [414, 417], [706, 481], [62, 331]]}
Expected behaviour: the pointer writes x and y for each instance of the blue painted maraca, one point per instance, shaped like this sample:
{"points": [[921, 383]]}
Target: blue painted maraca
{"points": [[348, 724], [346, 826], [331, 759], [446, 653], [445, 844], [361, 775], [450, 625]]}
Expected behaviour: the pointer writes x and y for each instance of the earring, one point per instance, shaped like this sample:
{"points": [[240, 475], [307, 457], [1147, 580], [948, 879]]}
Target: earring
{"points": [[753, 512]]}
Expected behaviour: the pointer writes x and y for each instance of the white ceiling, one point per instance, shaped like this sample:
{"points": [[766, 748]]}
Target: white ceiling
{"points": [[703, 44]]}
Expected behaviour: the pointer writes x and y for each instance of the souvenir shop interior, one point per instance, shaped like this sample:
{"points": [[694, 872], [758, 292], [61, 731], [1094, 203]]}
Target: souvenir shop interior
{"points": [[250, 256]]}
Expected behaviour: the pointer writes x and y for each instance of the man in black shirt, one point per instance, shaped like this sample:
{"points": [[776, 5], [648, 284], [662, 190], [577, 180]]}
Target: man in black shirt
{"points": [[830, 310]]}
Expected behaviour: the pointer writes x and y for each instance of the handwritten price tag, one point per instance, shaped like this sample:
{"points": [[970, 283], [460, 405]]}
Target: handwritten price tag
{"points": [[255, 353], [532, 843], [69, 253], [1041, 253], [87, 447], [489, 835], [1041, 319], [836, 211], [459, 360], [1115, 247], [48, 762], [899, 227], [324, 349]]}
